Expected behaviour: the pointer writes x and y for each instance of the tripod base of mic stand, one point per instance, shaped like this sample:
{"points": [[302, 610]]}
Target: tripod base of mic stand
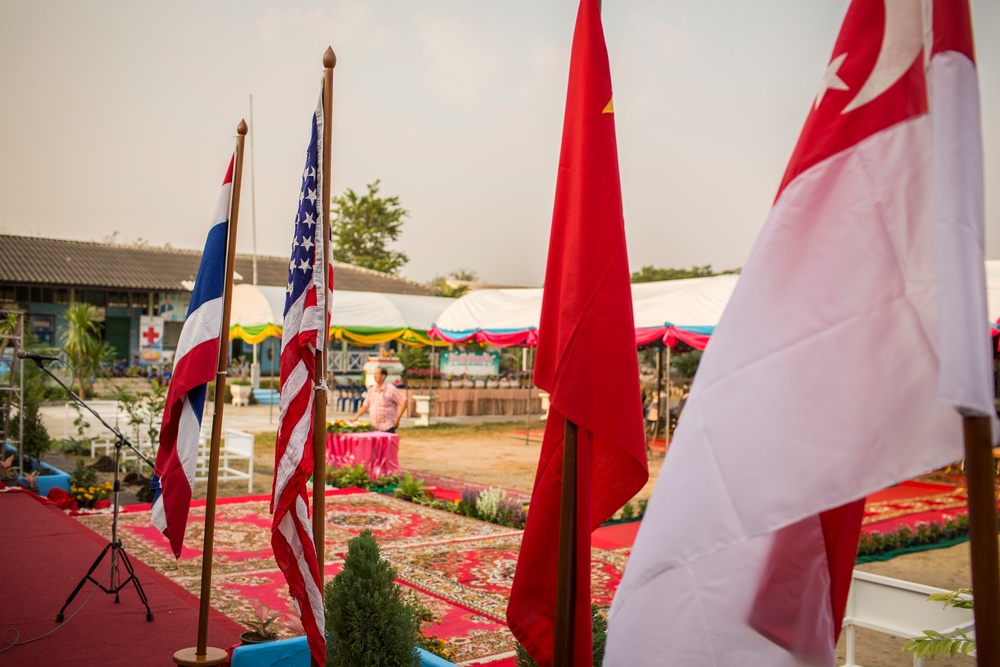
{"points": [[117, 555], [187, 657]]}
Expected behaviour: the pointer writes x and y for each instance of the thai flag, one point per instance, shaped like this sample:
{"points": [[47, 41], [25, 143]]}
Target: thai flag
{"points": [[195, 364]]}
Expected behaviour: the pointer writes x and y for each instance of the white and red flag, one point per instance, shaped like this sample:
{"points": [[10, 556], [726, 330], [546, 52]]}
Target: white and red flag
{"points": [[828, 377], [309, 286], [195, 363]]}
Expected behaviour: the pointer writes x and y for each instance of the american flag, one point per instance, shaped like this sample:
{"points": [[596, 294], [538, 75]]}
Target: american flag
{"points": [[195, 363], [307, 292]]}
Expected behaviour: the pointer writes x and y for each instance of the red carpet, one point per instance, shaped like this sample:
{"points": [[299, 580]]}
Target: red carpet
{"points": [[468, 596], [911, 503], [618, 536], [908, 503], [45, 554]]}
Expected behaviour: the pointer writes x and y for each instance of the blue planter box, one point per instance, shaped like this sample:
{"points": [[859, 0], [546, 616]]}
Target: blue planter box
{"points": [[56, 478], [295, 653]]}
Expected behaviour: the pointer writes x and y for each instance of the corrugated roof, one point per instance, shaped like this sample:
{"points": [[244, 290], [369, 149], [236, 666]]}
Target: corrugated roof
{"points": [[57, 262]]}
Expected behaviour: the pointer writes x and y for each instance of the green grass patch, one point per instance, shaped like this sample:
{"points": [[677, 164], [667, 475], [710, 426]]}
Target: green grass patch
{"points": [[487, 429]]}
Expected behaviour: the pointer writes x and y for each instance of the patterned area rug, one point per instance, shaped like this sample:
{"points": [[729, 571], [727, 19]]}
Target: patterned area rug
{"points": [[911, 503], [460, 568]]}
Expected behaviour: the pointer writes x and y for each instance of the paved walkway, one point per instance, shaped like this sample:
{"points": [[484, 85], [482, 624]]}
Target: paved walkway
{"points": [[253, 418]]}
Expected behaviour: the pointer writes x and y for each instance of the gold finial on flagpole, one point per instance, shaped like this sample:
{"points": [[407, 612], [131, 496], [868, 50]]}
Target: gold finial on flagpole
{"points": [[329, 58]]}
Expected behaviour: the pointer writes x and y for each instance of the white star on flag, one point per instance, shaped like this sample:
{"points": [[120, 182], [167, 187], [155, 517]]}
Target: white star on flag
{"points": [[830, 80]]}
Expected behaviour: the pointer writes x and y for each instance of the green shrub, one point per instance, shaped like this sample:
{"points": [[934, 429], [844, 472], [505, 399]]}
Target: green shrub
{"points": [[425, 640], [36, 441], [642, 508], [349, 476], [628, 512], [410, 488], [83, 476], [368, 623]]}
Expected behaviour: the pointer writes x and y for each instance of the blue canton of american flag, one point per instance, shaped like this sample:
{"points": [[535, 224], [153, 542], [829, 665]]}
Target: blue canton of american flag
{"points": [[309, 288], [307, 241]]}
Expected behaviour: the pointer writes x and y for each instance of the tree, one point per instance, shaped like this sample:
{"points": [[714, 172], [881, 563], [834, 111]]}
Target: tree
{"points": [[456, 283], [81, 343], [363, 226], [368, 621], [651, 274]]}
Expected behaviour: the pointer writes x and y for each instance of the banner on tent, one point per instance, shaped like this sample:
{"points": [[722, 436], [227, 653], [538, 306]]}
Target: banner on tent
{"points": [[470, 363]]}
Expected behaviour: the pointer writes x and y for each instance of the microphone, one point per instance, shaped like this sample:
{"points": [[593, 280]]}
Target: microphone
{"points": [[24, 354]]}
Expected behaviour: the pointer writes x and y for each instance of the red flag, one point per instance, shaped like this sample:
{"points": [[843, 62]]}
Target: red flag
{"points": [[586, 352], [838, 365]]}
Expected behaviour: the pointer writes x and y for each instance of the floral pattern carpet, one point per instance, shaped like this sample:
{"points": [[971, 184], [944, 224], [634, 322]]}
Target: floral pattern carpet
{"points": [[460, 568], [913, 502]]}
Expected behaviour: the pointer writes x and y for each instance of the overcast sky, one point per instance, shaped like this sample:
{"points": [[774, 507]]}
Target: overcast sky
{"points": [[120, 116]]}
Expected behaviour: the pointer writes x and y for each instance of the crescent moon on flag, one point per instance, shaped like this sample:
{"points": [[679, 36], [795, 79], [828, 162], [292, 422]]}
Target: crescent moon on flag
{"points": [[902, 42]]}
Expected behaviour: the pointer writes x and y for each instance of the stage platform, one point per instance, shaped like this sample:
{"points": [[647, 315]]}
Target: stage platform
{"points": [[45, 554]]}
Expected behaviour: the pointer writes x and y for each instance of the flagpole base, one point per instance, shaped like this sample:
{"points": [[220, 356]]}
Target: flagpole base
{"points": [[187, 657]]}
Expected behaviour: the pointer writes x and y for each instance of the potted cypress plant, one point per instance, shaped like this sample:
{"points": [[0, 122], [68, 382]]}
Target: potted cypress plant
{"points": [[368, 621]]}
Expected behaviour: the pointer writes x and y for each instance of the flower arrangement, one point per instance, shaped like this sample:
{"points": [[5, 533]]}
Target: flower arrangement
{"points": [[89, 496], [84, 487], [492, 505], [341, 426]]}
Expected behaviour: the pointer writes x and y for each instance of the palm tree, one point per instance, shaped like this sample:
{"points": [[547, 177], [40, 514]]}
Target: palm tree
{"points": [[82, 344]]}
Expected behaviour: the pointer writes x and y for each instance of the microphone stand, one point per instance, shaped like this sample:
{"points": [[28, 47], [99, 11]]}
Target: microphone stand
{"points": [[115, 547]]}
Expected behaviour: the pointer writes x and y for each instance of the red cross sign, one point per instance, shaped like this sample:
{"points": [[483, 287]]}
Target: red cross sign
{"points": [[150, 334]]}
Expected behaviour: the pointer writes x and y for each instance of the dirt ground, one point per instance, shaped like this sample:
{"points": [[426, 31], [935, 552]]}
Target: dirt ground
{"points": [[489, 454]]}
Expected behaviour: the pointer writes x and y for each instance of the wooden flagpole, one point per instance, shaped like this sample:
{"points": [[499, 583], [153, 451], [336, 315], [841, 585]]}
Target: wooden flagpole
{"points": [[319, 417], [203, 654], [566, 579], [981, 481], [563, 648]]}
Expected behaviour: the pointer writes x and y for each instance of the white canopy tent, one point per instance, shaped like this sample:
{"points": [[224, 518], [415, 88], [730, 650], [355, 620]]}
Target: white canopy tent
{"points": [[367, 318], [511, 316]]}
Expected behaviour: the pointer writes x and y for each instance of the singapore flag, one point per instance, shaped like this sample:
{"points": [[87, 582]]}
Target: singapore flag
{"points": [[854, 342]]}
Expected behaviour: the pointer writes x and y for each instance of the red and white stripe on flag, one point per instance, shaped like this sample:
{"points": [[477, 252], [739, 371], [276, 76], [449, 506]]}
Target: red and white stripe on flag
{"points": [[195, 363], [291, 529], [827, 377]]}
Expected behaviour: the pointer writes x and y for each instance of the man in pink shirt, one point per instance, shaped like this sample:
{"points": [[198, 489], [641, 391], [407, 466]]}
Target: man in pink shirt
{"points": [[385, 403]]}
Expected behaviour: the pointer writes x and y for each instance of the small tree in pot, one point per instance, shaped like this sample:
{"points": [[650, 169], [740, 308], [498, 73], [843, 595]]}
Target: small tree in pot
{"points": [[368, 622]]}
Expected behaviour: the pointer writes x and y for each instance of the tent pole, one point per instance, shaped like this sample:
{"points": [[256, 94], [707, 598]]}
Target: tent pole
{"points": [[271, 406], [527, 424], [659, 394], [670, 391], [430, 391]]}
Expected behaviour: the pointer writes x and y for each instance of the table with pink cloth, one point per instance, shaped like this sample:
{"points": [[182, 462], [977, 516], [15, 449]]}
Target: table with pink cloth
{"points": [[377, 451]]}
